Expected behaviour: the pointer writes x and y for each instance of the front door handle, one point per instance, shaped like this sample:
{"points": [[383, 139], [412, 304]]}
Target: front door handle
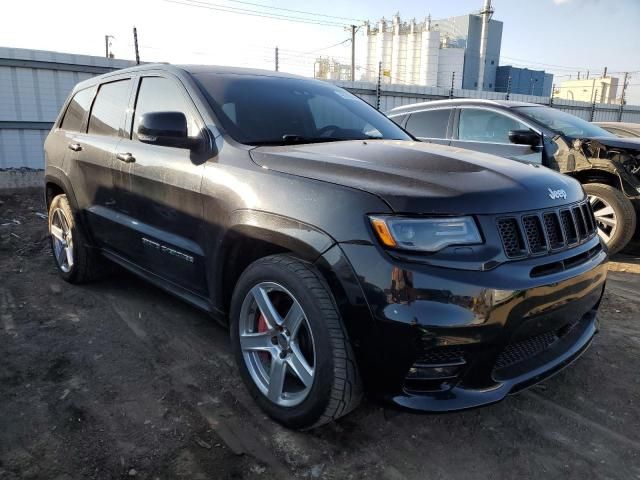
{"points": [[125, 157], [76, 147]]}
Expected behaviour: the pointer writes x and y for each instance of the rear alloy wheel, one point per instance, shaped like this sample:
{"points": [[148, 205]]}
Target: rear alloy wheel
{"points": [[76, 261], [62, 240], [615, 215], [290, 344]]}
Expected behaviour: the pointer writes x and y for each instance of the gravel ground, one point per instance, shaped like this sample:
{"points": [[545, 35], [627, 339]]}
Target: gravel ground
{"points": [[119, 380]]}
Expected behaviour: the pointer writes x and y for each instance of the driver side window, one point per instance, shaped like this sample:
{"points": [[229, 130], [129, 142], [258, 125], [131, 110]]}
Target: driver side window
{"points": [[486, 126], [159, 94]]}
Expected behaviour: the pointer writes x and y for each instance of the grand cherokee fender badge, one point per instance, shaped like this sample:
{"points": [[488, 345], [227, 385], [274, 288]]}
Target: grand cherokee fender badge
{"points": [[169, 251], [555, 194]]}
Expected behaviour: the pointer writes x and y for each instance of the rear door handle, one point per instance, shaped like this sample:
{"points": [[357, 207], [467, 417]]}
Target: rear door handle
{"points": [[125, 157], [76, 147]]}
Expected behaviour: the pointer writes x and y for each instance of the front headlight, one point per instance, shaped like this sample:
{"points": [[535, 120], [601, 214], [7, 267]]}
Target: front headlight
{"points": [[425, 234]]}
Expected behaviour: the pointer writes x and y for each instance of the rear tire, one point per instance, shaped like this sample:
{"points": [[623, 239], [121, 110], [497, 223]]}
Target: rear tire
{"points": [[76, 261], [615, 215], [331, 386]]}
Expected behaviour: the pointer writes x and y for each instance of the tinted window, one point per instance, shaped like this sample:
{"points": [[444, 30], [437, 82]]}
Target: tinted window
{"points": [[274, 110], [486, 126], [562, 122], [78, 107], [429, 124], [107, 114], [158, 94]]}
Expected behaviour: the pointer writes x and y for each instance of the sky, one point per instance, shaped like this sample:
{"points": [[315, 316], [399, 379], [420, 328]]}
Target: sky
{"points": [[560, 36]]}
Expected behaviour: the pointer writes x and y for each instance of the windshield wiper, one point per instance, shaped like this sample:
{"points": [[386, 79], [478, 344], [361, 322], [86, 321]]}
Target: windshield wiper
{"points": [[293, 138]]}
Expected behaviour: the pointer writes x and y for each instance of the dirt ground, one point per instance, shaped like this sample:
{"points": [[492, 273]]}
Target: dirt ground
{"points": [[119, 380]]}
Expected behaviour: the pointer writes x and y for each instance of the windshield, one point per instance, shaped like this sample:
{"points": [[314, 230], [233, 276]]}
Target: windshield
{"points": [[264, 110], [563, 123]]}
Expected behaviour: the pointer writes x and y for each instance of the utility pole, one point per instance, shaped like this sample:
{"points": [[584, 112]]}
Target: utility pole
{"points": [[378, 86], [625, 82], [353, 52], [277, 61], [508, 87], [593, 106], [486, 13], [135, 44], [604, 75], [453, 82], [107, 43]]}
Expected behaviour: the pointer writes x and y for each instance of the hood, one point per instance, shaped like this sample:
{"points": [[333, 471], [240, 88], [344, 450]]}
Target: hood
{"points": [[616, 142], [416, 177]]}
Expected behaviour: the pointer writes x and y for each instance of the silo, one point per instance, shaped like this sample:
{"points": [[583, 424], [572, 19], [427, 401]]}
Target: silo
{"points": [[429, 56]]}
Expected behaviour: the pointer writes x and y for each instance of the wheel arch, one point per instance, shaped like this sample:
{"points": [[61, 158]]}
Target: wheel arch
{"points": [[56, 183], [596, 175], [254, 235]]}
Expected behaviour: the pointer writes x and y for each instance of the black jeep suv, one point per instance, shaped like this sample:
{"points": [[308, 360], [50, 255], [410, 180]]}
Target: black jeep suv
{"points": [[608, 167], [344, 254]]}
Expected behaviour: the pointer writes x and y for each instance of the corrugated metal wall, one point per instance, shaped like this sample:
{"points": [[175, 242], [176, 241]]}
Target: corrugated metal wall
{"points": [[397, 95], [33, 86]]}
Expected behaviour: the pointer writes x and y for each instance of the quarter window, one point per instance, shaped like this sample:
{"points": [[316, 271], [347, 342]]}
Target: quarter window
{"points": [[486, 126], [158, 94], [429, 124], [77, 109], [109, 108]]}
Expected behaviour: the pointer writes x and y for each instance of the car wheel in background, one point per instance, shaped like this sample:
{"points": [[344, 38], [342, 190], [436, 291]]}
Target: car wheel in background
{"points": [[615, 215], [290, 344]]}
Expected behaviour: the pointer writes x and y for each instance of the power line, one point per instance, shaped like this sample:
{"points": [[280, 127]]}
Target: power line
{"points": [[254, 13], [297, 11]]}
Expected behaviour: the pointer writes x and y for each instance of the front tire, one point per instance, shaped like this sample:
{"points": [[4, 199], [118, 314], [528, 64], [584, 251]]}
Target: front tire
{"points": [[76, 261], [615, 215], [290, 344]]}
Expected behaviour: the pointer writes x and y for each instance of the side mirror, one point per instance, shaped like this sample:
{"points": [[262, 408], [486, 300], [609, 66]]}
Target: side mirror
{"points": [[168, 129], [524, 137]]}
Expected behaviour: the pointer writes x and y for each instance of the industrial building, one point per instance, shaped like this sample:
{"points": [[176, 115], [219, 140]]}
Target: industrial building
{"points": [[524, 81], [444, 52], [328, 68], [592, 90]]}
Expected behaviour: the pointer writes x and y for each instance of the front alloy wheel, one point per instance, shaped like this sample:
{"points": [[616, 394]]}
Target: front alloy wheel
{"points": [[614, 214], [290, 345], [277, 344]]}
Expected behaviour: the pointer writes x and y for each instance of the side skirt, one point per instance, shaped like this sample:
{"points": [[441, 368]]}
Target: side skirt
{"points": [[188, 296]]}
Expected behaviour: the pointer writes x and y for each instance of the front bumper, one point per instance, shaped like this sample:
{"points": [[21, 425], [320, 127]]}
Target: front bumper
{"points": [[445, 339]]}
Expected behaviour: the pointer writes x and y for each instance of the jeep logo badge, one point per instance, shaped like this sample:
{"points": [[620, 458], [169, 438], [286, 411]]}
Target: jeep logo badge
{"points": [[555, 194]]}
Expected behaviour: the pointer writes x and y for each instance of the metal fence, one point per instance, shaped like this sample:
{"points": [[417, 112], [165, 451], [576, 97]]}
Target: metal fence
{"points": [[392, 96]]}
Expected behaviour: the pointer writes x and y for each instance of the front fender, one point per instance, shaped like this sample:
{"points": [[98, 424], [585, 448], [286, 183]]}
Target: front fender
{"points": [[305, 241]]}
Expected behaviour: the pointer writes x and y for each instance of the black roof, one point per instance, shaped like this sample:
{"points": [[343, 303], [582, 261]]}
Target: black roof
{"points": [[192, 69]]}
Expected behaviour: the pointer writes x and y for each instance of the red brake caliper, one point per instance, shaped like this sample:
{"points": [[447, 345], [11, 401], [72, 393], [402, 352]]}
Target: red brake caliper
{"points": [[262, 327]]}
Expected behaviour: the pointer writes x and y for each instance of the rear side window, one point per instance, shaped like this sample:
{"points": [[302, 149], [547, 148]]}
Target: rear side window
{"points": [[78, 107], [109, 107], [157, 94], [429, 124]]}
